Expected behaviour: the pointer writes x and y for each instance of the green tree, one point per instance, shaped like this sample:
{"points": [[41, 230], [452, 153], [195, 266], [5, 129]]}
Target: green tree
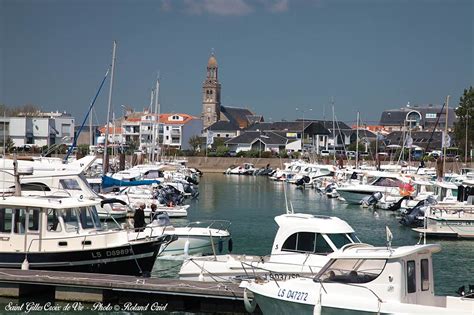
{"points": [[222, 150], [9, 145], [194, 142], [218, 142], [465, 113]]}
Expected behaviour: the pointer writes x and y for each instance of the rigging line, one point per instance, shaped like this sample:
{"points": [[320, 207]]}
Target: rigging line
{"points": [[76, 136]]}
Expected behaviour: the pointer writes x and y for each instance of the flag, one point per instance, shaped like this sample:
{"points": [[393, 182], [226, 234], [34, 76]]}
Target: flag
{"points": [[446, 141], [210, 138]]}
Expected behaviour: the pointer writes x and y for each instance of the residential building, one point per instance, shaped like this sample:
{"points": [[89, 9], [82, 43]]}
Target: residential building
{"points": [[177, 129], [420, 117], [258, 141], [40, 129], [313, 136]]}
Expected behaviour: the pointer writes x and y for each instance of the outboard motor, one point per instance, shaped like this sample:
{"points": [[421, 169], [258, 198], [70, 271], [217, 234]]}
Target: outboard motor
{"points": [[397, 205], [372, 200], [302, 181], [414, 216], [191, 180]]}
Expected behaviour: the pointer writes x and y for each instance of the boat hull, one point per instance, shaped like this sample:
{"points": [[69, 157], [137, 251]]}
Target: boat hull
{"points": [[128, 259], [198, 245], [354, 197]]}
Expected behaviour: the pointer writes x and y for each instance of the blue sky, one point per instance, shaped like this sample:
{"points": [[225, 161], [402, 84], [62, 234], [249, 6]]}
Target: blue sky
{"points": [[274, 55]]}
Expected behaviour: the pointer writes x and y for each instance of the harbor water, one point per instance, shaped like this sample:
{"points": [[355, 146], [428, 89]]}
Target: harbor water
{"points": [[252, 202]]}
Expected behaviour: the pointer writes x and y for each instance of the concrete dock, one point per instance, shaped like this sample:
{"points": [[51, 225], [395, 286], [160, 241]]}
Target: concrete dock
{"points": [[103, 292]]}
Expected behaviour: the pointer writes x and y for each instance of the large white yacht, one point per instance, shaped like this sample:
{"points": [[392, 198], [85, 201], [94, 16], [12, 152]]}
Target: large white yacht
{"points": [[302, 245], [362, 279]]}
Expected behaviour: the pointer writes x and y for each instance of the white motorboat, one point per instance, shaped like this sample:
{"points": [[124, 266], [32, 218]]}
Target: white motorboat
{"points": [[361, 279], [196, 238], [385, 183], [244, 169], [302, 245], [56, 233]]}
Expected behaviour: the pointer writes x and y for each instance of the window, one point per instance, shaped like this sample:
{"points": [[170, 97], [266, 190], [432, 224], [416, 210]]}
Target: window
{"points": [[411, 276], [290, 243], [69, 183], [305, 242], [33, 220], [66, 129], [89, 218], [339, 240], [352, 270], [53, 222], [425, 275], [322, 247], [70, 220], [5, 220]]}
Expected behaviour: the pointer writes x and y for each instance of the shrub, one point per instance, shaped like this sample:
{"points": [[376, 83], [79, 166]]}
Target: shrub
{"points": [[266, 154], [222, 151]]}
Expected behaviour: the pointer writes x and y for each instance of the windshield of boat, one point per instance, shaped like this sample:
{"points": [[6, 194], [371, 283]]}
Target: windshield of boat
{"points": [[69, 184], [89, 218], [351, 270], [387, 182], [317, 243], [340, 239]]}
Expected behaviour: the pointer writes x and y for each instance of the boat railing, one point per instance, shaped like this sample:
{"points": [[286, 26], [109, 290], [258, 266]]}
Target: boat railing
{"points": [[63, 238], [219, 225]]}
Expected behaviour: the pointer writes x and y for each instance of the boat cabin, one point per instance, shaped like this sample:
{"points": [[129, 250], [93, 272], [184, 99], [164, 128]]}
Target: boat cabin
{"points": [[403, 274], [44, 223], [306, 233]]}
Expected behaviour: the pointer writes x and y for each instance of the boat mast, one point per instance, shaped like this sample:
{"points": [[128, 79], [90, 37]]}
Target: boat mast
{"points": [[333, 131], [445, 135], [150, 111], [357, 142], [105, 162], [465, 137], [156, 124]]}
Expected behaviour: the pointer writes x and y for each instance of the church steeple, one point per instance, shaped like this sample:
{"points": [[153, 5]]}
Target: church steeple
{"points": [[211, 94]]}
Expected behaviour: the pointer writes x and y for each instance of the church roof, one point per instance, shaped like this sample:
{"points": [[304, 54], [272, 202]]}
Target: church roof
{"points": [[223, 125], [293, 126], [237, 116]]}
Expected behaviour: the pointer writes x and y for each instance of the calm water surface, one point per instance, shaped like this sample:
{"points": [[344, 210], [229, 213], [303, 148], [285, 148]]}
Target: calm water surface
{"points": [[251, 203]]}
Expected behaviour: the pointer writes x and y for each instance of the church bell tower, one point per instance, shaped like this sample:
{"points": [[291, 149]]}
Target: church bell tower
{"points": [[211, 94]]}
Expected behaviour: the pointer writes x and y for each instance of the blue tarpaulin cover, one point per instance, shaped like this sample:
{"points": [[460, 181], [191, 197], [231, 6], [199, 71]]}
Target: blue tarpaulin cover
{"points": [[111, 182]]}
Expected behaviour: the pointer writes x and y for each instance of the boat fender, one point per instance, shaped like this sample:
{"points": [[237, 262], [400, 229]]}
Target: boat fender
{"points": [[230, 245], [249, 306], [25, 265], [317, 306], [201, 277], [186, 248], [220, 245]]}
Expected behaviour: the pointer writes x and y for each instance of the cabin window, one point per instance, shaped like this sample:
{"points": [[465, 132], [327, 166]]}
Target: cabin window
{"points": [[5, 220], [33, 220], [89, 218], [71, 222], [69, 183], [290, 243], [322, 247], [354, 237], [305, 242], [411, 276], [352, 270], [425, 275], [339, 240], [53, 222]]}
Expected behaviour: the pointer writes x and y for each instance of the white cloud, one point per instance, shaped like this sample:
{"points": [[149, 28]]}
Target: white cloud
{"points": [[218, 7], [166, 5], [278, 6]]}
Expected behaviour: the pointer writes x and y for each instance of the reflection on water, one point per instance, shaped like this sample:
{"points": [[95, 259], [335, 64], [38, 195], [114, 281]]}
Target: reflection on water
{"points": [[251, 203]]}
